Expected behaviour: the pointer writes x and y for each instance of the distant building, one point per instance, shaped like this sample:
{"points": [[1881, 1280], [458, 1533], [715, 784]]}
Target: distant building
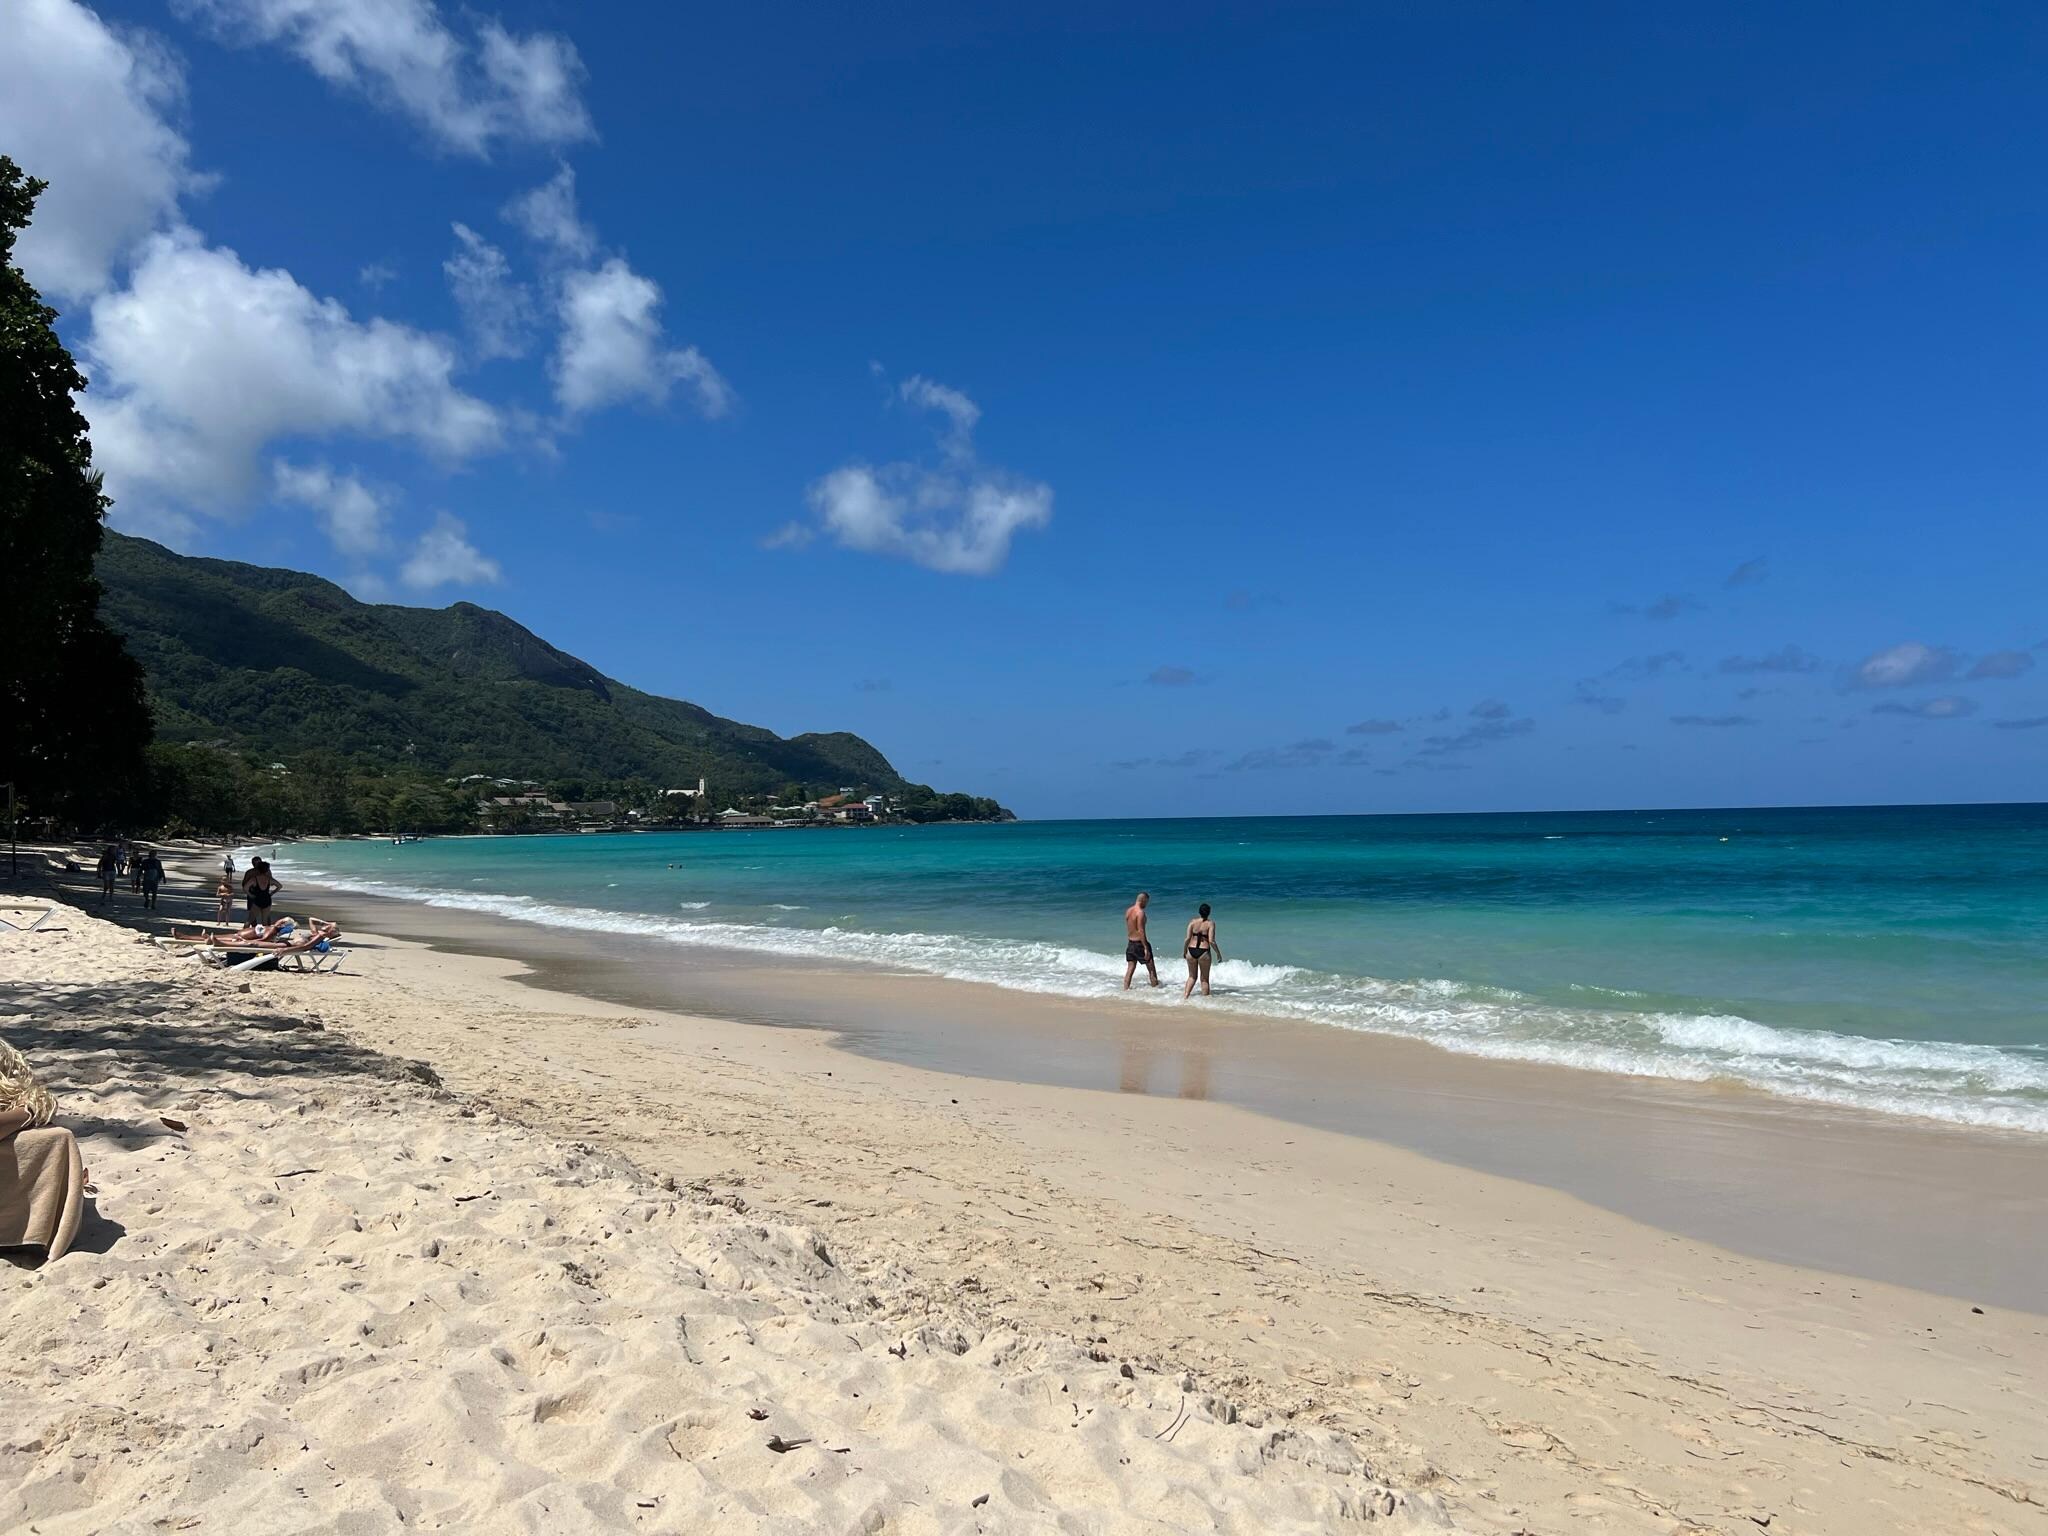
{"points": [[735, 818], [593, 808]]}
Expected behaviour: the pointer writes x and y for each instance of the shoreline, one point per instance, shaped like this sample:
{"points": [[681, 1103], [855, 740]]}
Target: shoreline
{"points": [[1958, 1210], [1534, 1362]]}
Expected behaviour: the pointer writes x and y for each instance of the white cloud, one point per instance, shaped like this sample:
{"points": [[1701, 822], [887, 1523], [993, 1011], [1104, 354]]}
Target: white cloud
{"points": [[548, 215], [961, 411], [960, 518], [612, 348], [469, 93], [1903, 666], [444, 555], [1999, 665], [498, 311], [377, 275], [351, 512], [1949, 708], [200, 361], [84, 108]]}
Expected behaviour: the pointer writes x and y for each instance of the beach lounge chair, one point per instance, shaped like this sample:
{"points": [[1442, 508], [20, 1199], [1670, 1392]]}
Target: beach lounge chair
{"points": [[41, 918], [261, 957]]}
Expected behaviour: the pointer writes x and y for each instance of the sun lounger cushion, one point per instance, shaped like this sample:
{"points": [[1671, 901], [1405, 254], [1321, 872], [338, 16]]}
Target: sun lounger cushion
{"points": [[42, 1193]]}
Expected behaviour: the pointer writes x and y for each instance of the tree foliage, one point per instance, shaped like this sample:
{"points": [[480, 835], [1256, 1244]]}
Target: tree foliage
{"points": [[278, 666], [73, 720]]}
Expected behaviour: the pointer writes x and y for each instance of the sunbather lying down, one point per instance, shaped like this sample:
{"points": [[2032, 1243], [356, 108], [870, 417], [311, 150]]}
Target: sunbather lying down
{"points": [[284, 934], [42, 1178]]}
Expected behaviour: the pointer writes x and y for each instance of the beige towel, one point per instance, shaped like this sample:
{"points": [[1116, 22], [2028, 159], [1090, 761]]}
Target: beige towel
{"points": [[42, 1192]]}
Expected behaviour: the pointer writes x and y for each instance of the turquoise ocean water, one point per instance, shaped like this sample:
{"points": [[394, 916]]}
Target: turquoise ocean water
{"points": [[1890, 958]]}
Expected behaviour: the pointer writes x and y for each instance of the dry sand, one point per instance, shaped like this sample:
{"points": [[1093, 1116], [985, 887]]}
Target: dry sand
{"points": [[546, 1280]]}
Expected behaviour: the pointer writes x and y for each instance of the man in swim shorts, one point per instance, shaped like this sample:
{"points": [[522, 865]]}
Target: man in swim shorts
{"points": [[1137, 947]]}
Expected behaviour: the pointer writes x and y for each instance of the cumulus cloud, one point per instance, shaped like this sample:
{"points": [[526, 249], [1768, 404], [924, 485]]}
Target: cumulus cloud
{"points": [[1588, 693], [1664, 609], [547, 215], [1749, 573], [445, 556], [1946, 708], [469, 92], [612, 349], [1194, 757], [351, 512], [1787, 658], [962, 412], [1594, 692], [1492, 721], [1716, 721], [1999, 665], [1309, 753], [1373, 728], [497, 310], [200, 361], [1904, 666], [960, 517], [1170, 677], [86, 108]]}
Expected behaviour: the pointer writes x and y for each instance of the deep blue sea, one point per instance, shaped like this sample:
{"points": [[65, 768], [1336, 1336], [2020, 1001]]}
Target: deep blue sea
{"points": [[1889, 958]]}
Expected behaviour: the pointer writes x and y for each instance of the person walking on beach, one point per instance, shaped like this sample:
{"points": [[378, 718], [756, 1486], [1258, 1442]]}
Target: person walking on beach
{"points": [[227, 867], [1138, 947], [152, 877], [1199, 948], [259, 889], [107, 867], [224, 899], [135, 862]]}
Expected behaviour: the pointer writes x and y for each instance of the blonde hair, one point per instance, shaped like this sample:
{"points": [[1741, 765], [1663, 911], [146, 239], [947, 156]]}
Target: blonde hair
{"points": [[20, 1090]]}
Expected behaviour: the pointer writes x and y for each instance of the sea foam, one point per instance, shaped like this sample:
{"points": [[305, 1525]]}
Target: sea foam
{"points": [[1959, 1083]]}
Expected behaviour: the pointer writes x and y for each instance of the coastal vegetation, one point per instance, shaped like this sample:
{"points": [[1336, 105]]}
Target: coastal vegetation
{"points": [[284, 704], [72, 719], [140, 688]]}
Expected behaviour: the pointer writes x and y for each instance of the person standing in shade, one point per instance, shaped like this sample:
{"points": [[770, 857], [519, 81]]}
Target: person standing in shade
{"points": [[259, 889], [1199, 948], [152, 877], [224, 899], [136, 857], [108, 865], [1137, 946]]}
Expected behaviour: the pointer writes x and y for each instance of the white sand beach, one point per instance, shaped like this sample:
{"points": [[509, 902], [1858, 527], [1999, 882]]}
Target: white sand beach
{"points": [[417, 1246]]}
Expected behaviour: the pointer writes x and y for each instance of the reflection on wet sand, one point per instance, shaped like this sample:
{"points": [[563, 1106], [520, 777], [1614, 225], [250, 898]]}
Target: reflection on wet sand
{"points": [[1134, 1073]]}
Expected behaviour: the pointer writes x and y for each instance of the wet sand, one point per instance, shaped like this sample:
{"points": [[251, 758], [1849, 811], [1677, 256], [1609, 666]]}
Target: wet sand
{"points": [[1958, 1211]]}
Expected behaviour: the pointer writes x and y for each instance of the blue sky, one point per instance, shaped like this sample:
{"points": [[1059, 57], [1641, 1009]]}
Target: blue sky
{"points": [[1119, 410]]}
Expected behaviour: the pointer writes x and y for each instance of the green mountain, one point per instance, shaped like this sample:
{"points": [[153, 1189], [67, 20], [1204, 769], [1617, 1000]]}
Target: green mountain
{"points": [[280, 663]]}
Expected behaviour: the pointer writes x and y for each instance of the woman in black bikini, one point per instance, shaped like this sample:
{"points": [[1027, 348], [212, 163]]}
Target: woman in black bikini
{"points": [[1199, 948], [259, 889]]}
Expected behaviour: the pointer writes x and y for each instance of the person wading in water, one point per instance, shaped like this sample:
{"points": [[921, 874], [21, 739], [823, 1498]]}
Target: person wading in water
{"points": [[1137, 947], [1199, 948]]}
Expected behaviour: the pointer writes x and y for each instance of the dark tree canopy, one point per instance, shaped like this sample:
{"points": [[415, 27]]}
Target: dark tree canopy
{"points": [[73, 720]]}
